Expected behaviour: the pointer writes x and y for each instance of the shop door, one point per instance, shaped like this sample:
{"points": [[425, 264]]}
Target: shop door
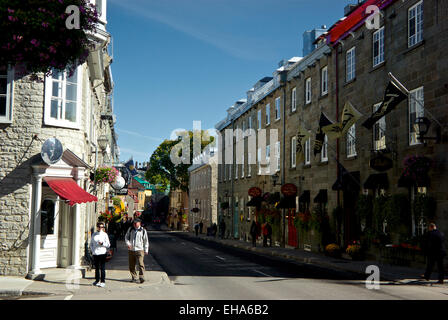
{"points": [[65, 235], [351, 228], [49, 233], [292, 230]]}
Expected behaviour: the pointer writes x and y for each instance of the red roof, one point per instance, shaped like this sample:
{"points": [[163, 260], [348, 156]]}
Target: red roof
{"points": [[68, 189], [354, 20]]}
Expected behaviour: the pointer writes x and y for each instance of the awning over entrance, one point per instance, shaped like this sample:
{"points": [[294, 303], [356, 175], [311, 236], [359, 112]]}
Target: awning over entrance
{"points": [[377, 181], [255, 202], [69, 190], [347, 181], [321, 197], [287, 203]]}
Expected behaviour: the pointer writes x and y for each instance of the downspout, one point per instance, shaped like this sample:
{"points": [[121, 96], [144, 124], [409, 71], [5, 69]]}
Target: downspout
{"points": [[337, 140], [283, 240]]}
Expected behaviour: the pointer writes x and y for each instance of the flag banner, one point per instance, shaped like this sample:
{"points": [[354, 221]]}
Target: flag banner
{"points": [[392, 97], [302, 136], [320, 135], [332, 130], [349, 117], [131, 167]]}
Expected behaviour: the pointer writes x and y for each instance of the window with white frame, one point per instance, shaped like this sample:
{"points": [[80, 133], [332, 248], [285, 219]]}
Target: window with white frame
{"points": [[379, 131], [294, 99], [324, 152], [6, 93], [277, 155], [63, 99], [277, 108], [259, 119], [268, 114], [415, 24], [268, 158], [324, 80], [308, 90], [351, 141], [244, 128], [249, 123], [378, 47], [351, 64], [293, 151], [249, 165], [259, 160], [416, 110], [308, 151]]}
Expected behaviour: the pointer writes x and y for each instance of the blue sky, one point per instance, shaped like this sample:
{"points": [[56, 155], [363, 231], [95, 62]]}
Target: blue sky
{"points": [[177, 61]]}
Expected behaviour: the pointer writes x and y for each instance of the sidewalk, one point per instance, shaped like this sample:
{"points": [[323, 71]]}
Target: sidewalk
{"points": [[65, 282], [387, 272]]}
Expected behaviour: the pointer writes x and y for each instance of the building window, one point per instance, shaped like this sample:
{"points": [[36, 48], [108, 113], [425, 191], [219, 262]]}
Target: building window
{"points": [[379, 131], [259, 119], [277, 154], [47, 217], [6, 94], [63, 99], [277, 108], [324, 152], [351, 141], [294, 99], [242, 166], [378, 47], [416, 110], [415, 24], [293, 151], [249, 164], [268, 114], [351, 64], [249, 123], [324, 78], [259, 160], [308, 151], [308, 91]]}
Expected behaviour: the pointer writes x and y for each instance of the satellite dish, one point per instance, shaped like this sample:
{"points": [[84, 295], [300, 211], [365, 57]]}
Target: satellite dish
{"points": [[51, 151], [118, 184]]}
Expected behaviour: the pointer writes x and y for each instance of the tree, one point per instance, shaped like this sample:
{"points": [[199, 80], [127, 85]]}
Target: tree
{"points": [[163, 172]]}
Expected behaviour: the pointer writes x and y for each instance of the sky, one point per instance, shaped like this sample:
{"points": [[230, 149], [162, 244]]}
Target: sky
{"points": [[179, 61]]}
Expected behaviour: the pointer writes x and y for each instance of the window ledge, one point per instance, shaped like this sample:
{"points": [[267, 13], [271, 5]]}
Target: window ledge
{"points": [[415, 46], [353, 157], [323, 163], [349, 82], [4, 121], [307, 166], [378, 66], [323, 96]]}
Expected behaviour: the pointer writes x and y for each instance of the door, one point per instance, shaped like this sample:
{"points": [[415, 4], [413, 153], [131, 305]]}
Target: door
{"points": [[65, 235], [49, 231], [292, 230]]}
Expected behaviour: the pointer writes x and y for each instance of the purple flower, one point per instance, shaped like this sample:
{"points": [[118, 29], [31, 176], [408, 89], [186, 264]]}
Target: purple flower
{"points": [[10, 10], [35, 43], [45, 24]]}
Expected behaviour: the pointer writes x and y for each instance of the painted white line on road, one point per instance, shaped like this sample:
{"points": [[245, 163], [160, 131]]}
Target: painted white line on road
{"points": [[265, 274], [68, 297], [223, 259], [198, 249]]}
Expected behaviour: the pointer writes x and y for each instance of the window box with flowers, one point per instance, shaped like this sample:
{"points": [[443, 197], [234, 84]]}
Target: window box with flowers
{"points": [[35, 35], [106, 175]]}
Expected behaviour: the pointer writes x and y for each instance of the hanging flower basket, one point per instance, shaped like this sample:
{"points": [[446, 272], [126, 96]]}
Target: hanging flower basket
{"points": [[416, 169], [36, 37], [106, 175]]}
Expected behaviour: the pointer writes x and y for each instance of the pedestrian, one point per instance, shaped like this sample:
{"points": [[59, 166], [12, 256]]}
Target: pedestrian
{"points": [[254, 233], [222, 228], [269, 236], [264, 230], [99, 244], [214, 229], [435, 252], [138, 246], [196, 228], [201, 225]]}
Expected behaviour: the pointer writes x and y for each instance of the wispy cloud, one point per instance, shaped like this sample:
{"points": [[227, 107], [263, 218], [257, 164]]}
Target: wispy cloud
{"points": [[133, 152], [139, 135], [225, 42]]}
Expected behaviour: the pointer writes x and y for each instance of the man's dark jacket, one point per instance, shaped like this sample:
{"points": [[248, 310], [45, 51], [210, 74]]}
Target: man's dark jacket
{"points": [[435, 244]]}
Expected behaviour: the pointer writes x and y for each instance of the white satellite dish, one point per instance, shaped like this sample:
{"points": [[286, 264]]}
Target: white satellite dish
{"points": [[51, 151], [118, 184]]}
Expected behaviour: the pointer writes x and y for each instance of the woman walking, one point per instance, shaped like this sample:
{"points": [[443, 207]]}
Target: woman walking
{"points": [[99, 245]]}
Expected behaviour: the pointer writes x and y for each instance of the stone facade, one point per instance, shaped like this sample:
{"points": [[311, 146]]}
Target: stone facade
{"points": [[22, 138], [422, 65]]}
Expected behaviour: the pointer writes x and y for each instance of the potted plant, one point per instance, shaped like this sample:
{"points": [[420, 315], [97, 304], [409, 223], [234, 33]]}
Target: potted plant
{"points": [[354, 250], [106, 174], [333, 250]]}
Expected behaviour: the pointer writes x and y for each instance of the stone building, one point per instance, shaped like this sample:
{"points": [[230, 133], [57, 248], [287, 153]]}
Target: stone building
{"points": [[350, 64], [203, 191], [177, 216], [39, 228]]}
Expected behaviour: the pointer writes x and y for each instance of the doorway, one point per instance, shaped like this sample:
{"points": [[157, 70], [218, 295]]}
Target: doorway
{"points": [[65, 235]]}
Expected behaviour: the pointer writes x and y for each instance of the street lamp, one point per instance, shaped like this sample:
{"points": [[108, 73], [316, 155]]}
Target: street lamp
{"points": [[274, 179], [422, 125], [102, 142]]}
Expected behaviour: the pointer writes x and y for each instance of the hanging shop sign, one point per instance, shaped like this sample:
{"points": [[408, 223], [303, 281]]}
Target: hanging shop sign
{"points": [[289, 189], [255, 192], [381, 163], [51, 151]]}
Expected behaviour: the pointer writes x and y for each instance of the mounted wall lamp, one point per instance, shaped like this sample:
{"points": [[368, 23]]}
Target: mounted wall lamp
{"points": [[422, 125]]}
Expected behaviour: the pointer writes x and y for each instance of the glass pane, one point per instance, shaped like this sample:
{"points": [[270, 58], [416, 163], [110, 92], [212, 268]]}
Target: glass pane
{"points": [[47, 218], [55, 92], [70, 111], [73, 78], [54, 109], [56, 75], [2, 106], [71, 92], [3, 84]]}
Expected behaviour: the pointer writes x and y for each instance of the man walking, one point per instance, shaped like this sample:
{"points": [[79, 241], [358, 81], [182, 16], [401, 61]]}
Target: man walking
{"points": [[254, 233], [138, 245], [435, 252]]}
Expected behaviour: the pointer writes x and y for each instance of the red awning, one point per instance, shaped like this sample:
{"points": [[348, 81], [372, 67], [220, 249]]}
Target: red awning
{"points": [[68, 189]]}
